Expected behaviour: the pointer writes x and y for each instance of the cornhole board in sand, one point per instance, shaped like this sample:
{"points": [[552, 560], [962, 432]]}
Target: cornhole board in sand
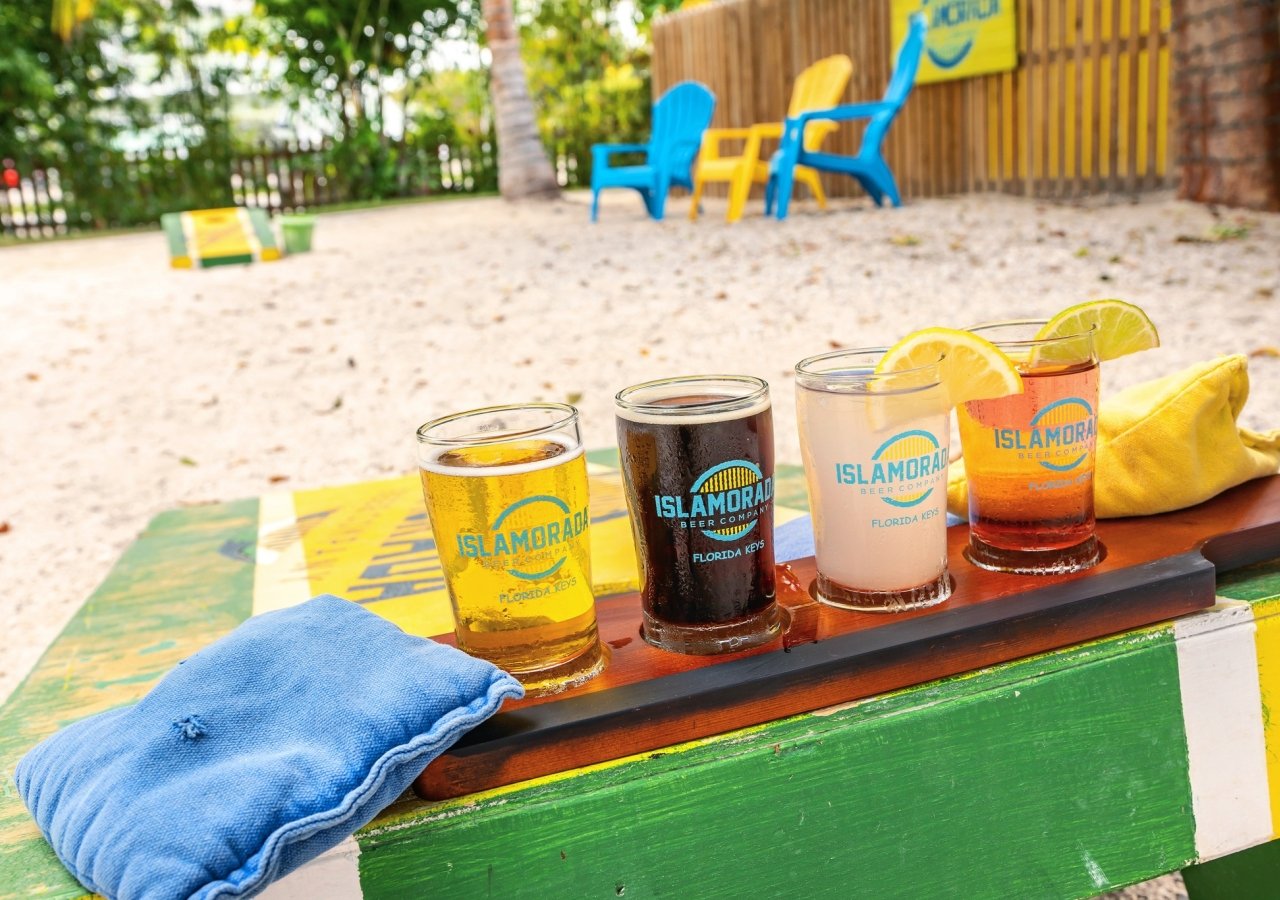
{"points": [[219, 237], [1058, 775]]}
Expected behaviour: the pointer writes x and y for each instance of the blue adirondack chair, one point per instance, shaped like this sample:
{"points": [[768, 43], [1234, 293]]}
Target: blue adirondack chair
{"points": [[869, 165], [680, 117]]}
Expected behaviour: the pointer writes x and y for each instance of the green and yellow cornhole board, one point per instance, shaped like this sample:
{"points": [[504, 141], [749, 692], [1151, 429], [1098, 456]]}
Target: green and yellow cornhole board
{"points": [[219, 237], [1060, 775]]}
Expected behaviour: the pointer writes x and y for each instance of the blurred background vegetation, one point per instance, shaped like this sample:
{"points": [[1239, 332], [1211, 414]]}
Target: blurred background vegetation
{"points": [[150, 106]]}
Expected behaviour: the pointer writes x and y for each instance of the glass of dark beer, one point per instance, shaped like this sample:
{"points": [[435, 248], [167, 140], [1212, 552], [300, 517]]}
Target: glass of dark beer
{"points": [[697, 461]]}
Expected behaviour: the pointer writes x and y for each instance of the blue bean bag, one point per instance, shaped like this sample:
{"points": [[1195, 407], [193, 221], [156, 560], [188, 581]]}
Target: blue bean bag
{"points": [[255, 755]]}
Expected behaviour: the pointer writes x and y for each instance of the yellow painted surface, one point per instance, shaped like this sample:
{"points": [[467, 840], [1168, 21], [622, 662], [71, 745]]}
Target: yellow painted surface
{"points": [[1144, 111], [993, 130], [1162, 107], [1086, 119], [280, 560], [372, 543], [1071, 104], [963, 39], [1023, 112], [220, 232], [1267, 618], [1124, 116], [1104, 116]]}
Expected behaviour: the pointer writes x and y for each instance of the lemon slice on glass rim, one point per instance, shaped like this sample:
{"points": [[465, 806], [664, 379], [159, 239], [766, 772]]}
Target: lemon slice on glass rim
{"points": [[969, 367], [1119, 328]]}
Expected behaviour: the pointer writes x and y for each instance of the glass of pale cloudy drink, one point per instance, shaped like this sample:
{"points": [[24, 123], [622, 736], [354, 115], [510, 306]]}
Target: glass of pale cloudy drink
{"points": [[506, 492], [875, 450]]}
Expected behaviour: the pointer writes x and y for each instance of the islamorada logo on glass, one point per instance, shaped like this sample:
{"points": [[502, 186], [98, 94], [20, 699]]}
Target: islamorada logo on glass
{"points": [[527, 538], [1059, 437], [725, 502], [902, 472]]}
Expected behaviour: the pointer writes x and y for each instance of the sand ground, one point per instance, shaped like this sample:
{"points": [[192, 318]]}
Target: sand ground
{"points": [[129, 388]]}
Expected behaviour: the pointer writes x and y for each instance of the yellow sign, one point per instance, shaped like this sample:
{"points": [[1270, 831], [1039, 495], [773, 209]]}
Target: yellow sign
{"points": [[964, 37]]}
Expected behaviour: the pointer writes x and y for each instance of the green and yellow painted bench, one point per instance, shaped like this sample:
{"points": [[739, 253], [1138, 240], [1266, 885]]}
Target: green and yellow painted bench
{"points": [[1059, 775]]}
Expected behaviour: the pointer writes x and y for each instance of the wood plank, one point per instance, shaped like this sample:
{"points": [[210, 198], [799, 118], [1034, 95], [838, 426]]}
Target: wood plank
{"points": [[1072, 764], [1089, 94], [929, 144], [1123, 94], [1164, 111], [986, 109], [1150, 123], [1137, 125], [1070, 99], [1054, 98], [1025, 105], [1106, 95], [1085, 69], [647, 698], [1008, 119], [1087, 110], [1260, 585], [1040, 109], [1222, 712]]}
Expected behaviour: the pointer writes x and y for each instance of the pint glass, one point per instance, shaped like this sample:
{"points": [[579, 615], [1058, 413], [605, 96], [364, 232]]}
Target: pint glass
{"points": [[875, 457], [1029, 457], [697, 462], [506, 491]]}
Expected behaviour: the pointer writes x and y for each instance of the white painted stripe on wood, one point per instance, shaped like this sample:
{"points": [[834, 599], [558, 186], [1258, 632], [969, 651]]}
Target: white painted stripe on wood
{"points": [[1222, 712], [280, 561], [334, 875]]}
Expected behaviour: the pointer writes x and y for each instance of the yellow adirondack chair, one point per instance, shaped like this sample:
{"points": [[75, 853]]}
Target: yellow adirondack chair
{"points": [[818, 87]]}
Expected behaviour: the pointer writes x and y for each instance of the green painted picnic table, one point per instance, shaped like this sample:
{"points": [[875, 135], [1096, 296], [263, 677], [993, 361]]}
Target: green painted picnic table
{"points": [[1059, 775]]}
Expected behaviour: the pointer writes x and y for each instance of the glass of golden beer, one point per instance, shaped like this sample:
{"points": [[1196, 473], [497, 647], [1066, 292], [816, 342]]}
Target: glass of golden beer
{"points": [[1029, 457], [506, 492]]}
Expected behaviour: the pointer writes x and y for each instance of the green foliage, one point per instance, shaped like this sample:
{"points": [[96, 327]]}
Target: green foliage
{"points": [[57, 98], [451, 114], [341, 54], [588, 84], [159, 75]]}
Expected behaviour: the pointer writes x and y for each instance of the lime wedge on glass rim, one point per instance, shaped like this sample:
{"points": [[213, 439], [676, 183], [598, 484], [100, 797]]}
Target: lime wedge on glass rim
{"points": [[969, 367], [1119, 328]]}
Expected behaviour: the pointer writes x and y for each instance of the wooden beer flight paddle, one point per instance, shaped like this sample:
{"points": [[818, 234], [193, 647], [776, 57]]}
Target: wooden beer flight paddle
{"points": [[1156, 567]]}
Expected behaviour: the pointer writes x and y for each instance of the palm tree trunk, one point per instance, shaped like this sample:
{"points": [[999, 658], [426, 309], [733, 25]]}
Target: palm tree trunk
{"points": [[523, 168]]}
